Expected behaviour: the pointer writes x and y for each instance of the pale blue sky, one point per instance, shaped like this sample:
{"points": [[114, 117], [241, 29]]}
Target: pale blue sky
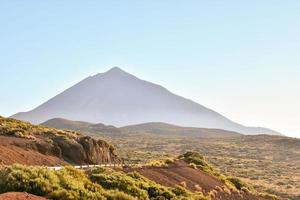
{"points": [[240, 58]]}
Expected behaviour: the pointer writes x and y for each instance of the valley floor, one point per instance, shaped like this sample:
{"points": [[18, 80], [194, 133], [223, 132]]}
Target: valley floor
{"points": [[270, 163]]}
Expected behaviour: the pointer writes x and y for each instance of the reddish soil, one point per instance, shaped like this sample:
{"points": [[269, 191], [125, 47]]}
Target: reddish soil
{"points": [[180, 173], [17, 150], [19, 196]]}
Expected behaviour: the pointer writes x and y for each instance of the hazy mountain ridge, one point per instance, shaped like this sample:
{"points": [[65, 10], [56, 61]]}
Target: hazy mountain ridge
{"points": [[81, 126], [153, 128], [170, 129], [121, 99]]}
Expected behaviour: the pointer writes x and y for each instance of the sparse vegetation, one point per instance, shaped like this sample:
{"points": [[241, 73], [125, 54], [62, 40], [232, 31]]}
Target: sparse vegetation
{"points": [[239, 184], [198, 160], [67, 183], [268, 163], [70, 183], [139, 186], [23, 129], [237, 157], [61, 144]]}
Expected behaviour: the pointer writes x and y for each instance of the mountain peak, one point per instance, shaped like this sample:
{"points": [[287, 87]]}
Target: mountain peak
{"points": [[116, 70], [114, 73], [119, 98]]}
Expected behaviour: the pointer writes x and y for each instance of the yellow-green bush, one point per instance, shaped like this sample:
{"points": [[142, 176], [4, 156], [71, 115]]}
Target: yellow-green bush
{"points": [[200, 162], [197, 159], [140, 187], [23, 129], [117, 195], [99, 184], [122, 182], [67, 183], [239, 184]]}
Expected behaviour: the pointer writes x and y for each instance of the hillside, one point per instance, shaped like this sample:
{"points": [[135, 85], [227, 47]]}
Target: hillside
{"points": [[24, 143], [80, 126], [61, 123], [120, 99], [154, 128], [169, 129], [188, 177], [269, 163], [192, 172]]}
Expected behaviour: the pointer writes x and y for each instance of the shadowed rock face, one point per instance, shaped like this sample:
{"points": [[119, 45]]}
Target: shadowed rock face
{"points": [[82, 150], [97, 151], [121, 99]]}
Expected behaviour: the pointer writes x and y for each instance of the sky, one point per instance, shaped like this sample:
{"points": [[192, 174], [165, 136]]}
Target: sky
{"points": [[239, 58]]}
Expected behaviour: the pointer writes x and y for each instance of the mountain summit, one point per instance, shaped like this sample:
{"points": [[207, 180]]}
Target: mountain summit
{"points": [[119, 98]]}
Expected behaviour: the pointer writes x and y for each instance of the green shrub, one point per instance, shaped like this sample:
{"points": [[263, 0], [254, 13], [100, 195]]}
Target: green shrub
{"points": [[117, 195], [140, 187], [269, 196], [120, 182], [154, 190], [169, 161], [193, 165], [197, 159], [23, 129], [194, 158], [67, 183], [239, 184], [132, 184]]}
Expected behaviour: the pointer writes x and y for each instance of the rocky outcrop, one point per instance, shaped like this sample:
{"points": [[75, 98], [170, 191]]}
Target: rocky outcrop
{"points": [[81, 150], [64, 146], [97, 151]]}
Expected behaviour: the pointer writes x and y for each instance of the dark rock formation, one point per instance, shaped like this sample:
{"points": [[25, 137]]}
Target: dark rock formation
{"points": [[82, 150], [97, 151]]}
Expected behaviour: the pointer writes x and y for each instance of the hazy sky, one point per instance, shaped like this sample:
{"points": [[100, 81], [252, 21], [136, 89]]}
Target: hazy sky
{"points": [[240, 58]]}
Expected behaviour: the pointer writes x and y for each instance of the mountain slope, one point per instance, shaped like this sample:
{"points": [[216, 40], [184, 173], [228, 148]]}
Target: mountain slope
{"points": [[121, 99], [187, 177]]}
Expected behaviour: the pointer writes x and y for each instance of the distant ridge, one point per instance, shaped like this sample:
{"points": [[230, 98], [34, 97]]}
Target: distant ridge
{"points": [[120, 99], [170, 129], [153, 128], [84, 127]]}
